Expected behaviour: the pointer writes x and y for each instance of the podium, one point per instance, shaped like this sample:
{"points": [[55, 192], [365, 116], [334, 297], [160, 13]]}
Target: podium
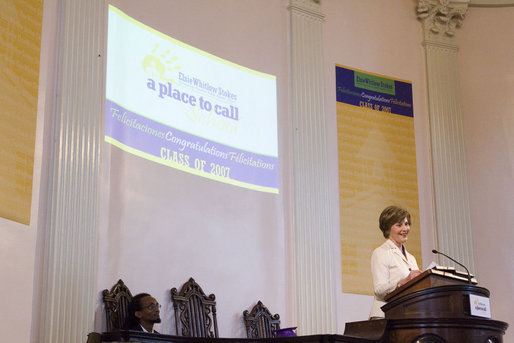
{"points": [[434, 307]]}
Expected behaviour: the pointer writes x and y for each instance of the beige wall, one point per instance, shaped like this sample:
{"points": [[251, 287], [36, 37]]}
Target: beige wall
{"points": [[486, 58], [365, 34]]}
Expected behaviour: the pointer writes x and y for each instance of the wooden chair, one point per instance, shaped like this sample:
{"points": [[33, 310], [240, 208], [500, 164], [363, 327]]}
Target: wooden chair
{"points": [[116, 302], [94, 337], [260, 323], [195, 313]]}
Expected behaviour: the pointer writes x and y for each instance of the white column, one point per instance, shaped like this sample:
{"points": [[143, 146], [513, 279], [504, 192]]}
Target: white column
{"points": [[454, 235], [312, 229], [70, 247]]}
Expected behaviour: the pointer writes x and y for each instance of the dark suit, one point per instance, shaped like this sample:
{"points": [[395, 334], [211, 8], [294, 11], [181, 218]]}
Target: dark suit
{"points": [[138, 327]]}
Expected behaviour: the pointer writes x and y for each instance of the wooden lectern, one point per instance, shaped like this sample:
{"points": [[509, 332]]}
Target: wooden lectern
{"points": [[432, 308]]}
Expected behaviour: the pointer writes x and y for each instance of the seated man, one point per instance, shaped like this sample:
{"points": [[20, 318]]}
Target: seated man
{"points": [[143, 313]]}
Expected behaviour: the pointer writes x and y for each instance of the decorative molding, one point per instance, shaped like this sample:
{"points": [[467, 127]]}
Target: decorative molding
{"points": [[312, 241], [310, 8], [491, 3], [442, 17], [68, 290], [449, 166]]}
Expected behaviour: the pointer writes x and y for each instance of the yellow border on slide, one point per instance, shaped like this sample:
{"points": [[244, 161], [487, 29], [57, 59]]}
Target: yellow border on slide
{"points": [[187, 169], [184, 45]]}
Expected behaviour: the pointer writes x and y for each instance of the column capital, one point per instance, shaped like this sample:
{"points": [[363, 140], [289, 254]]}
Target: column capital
{"points": [[306, 3], [441, 18], [309, 7]]}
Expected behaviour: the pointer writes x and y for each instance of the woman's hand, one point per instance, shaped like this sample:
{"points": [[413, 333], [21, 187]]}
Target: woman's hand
{"points": [[412, 275]]}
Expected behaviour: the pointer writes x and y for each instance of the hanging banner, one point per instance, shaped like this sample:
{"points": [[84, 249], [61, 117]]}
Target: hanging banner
{"points": [[20, 49], [377, 167]]}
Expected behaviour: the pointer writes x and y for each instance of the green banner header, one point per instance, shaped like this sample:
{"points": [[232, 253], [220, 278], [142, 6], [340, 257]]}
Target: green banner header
{"points": [[374, 83]]}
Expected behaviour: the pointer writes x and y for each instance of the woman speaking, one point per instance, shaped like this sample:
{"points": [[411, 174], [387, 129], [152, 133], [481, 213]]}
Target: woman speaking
{"points": [[391, 265]]}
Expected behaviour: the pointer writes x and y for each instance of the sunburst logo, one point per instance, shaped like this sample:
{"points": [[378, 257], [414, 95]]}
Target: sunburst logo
{"points": [[160, 64]]}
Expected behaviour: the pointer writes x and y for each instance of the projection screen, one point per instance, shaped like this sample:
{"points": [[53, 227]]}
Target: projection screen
{"points": [[176, 105]]}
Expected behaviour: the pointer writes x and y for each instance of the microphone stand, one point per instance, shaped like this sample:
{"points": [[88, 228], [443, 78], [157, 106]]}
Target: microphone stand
{"points": [[460, 264]]}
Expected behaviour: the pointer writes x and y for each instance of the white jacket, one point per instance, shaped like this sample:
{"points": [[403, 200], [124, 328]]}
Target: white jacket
{"points": [[388, 266]]}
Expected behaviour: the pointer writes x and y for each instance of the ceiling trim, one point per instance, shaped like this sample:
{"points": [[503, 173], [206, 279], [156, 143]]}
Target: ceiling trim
{"points": [[491, 3]]}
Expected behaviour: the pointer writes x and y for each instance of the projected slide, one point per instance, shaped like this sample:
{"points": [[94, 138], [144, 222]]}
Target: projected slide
{"points": [[176, 105]]}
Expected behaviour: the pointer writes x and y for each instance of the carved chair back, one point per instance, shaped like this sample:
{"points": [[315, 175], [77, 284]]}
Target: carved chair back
{"points": [[260, 323], [116, 302], [195, 312]]}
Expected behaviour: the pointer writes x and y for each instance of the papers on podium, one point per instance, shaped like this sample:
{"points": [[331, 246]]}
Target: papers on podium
{"points": [[451, 272]]}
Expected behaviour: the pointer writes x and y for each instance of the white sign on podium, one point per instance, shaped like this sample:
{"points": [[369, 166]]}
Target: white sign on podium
{"points": [[480, 306]]}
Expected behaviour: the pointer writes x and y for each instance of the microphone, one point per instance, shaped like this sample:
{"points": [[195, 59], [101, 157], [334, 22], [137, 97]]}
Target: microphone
{"points": [[460, 264]]}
